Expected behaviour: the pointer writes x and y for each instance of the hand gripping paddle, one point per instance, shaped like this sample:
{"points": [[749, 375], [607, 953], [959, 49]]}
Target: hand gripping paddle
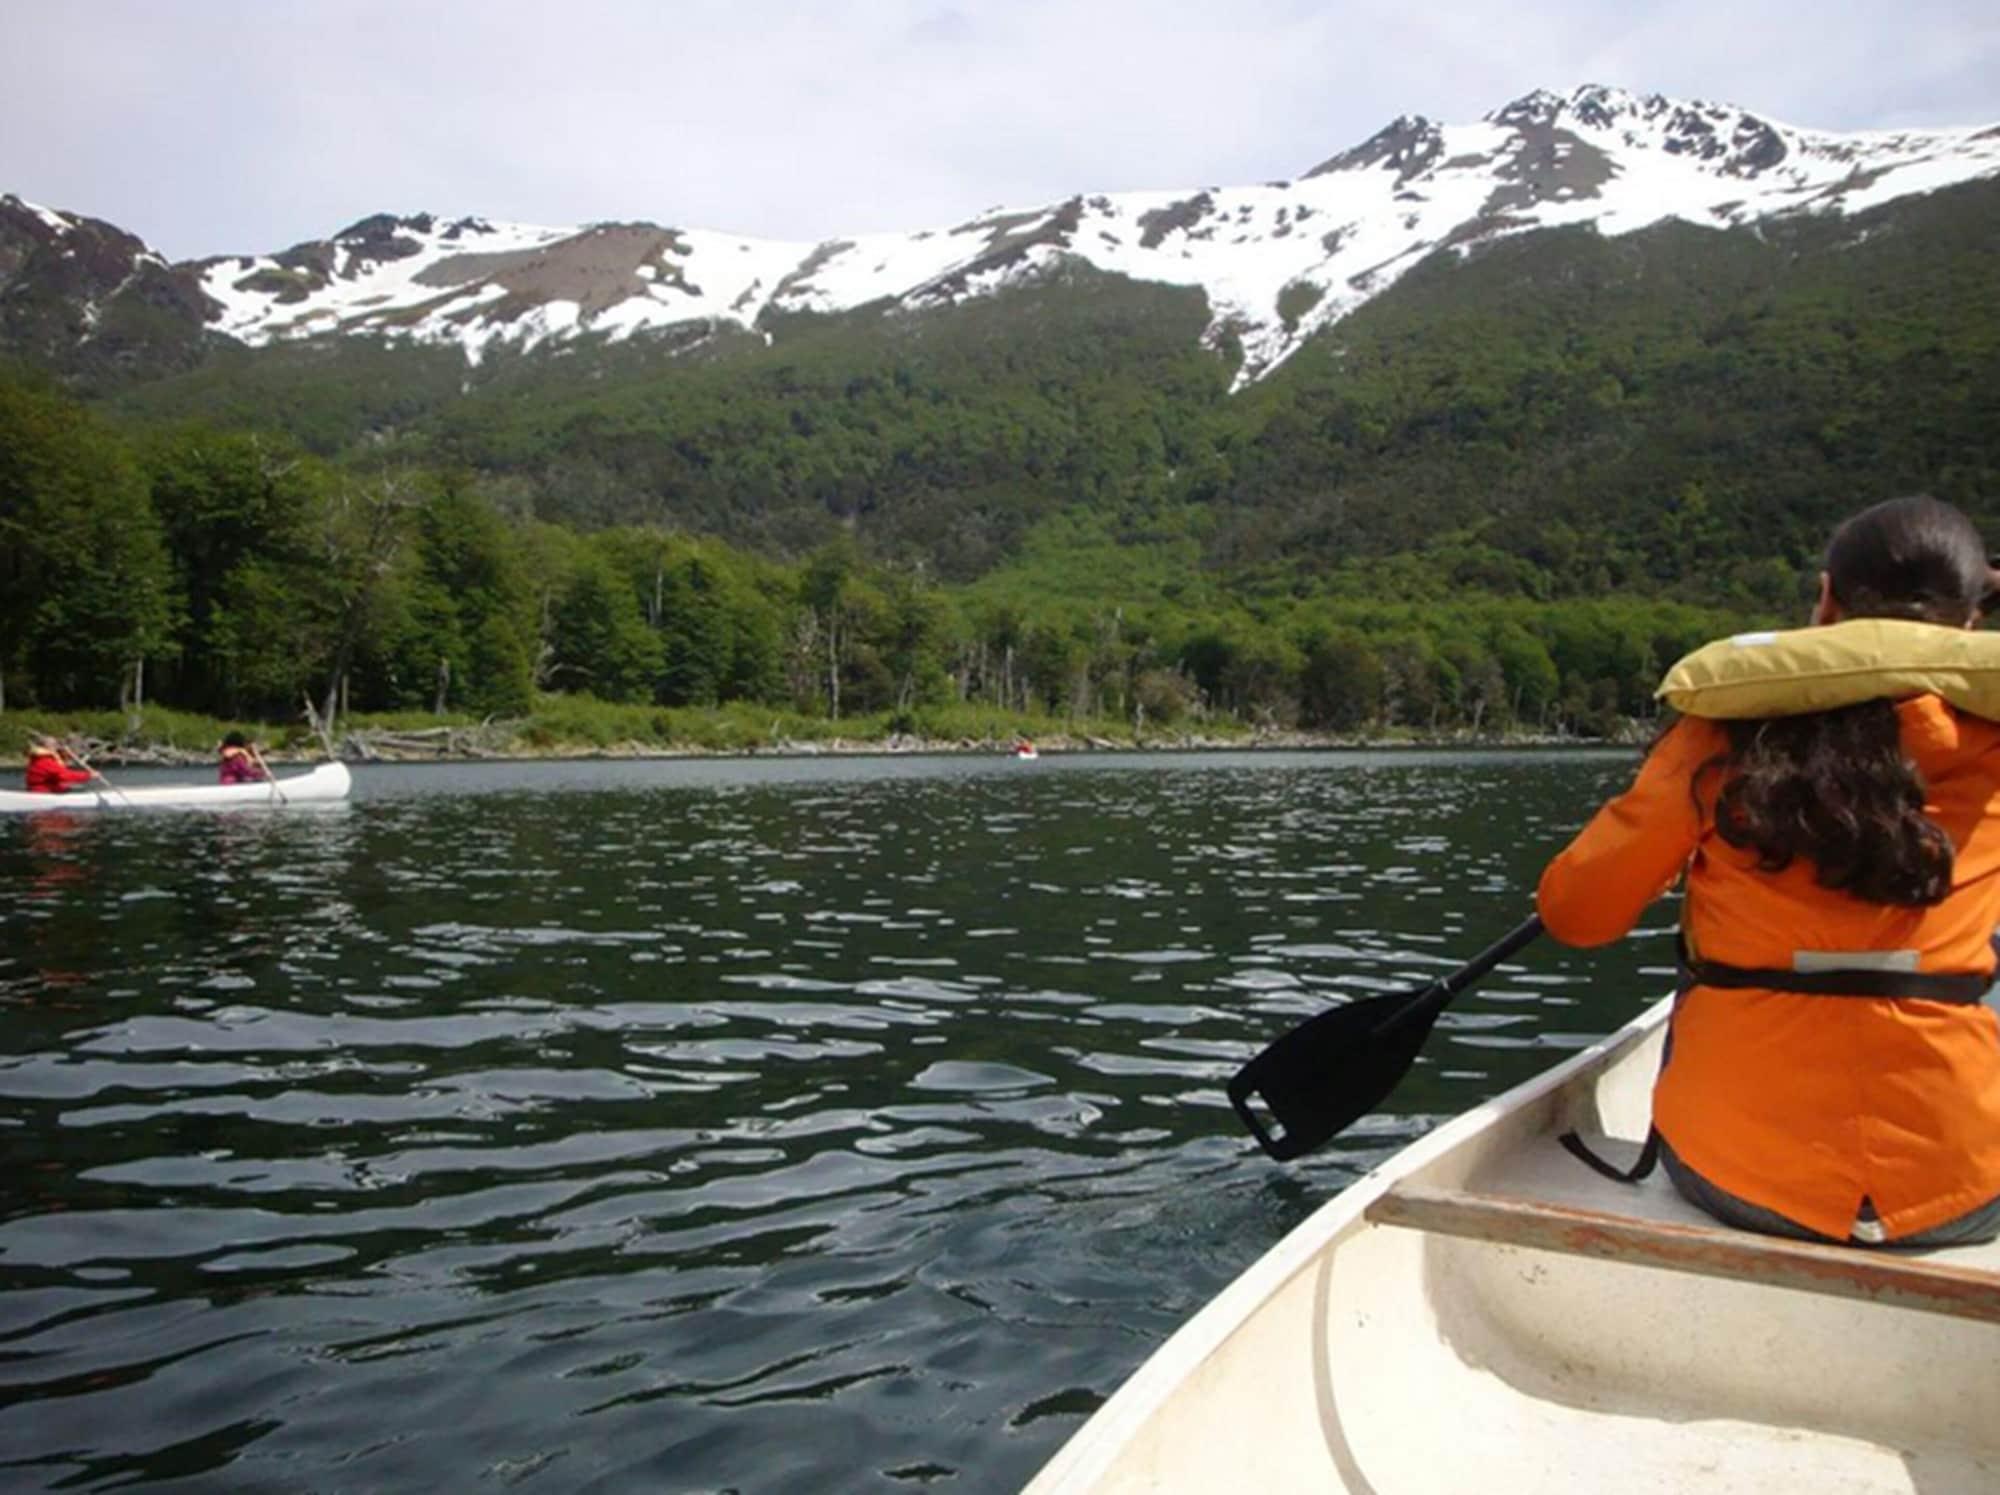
{"points": [[1331, 1070]]}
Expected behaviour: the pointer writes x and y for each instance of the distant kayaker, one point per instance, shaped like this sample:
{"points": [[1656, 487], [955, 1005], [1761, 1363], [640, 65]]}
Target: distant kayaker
{"points": [[240, 764], [47, 773], [1832, 1073]]}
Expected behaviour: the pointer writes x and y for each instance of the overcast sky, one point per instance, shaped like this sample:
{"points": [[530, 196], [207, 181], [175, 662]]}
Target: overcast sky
{"points": [[213, 126]]}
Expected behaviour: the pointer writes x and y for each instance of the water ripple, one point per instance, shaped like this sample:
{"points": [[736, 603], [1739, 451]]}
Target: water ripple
{"points": [[771, 1124]]}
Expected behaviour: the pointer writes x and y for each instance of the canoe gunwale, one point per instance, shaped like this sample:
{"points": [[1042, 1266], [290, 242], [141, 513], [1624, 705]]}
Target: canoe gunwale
{"points": [[1082, 1462], [324, 783]]}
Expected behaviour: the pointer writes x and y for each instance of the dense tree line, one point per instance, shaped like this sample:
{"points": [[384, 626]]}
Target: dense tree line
{"points": [[235, 574]]}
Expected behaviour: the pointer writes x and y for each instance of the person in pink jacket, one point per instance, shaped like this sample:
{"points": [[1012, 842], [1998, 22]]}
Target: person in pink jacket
{"points": [[240, 764]]}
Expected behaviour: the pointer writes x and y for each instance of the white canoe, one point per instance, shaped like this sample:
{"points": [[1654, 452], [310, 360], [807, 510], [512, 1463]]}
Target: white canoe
{"points": [[327, 781], [1483, 1313]]}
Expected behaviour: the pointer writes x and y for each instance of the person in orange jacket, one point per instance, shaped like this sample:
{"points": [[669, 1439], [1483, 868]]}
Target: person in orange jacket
{"points": [[1832, 1072], [46, 771]]}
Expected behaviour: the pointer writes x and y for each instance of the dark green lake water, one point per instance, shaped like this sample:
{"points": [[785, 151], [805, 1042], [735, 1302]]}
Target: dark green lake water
{"points": [[807, 1125]]}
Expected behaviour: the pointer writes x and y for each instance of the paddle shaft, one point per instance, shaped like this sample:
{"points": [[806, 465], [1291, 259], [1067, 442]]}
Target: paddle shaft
{"points": [[1439, 994], [85, 764], [269, 777]]}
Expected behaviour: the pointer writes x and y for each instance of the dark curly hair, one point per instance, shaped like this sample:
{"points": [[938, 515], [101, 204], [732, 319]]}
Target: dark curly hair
{"points": [[1835, 787]]}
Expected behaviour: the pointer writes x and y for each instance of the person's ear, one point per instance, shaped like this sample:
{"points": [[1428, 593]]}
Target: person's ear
{"points": [[1989, 600], [1825, 608]]}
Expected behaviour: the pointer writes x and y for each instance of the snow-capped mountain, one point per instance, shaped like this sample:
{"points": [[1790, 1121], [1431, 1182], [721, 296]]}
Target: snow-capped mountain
{"points": [[1276, 262]]}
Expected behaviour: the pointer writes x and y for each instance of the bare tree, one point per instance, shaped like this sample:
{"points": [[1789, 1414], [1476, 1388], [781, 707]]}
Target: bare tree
{"points": [[364, 531]]}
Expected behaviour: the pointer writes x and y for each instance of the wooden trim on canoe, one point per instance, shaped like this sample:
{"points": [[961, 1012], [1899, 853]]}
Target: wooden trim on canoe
{"points": [[1873, 1276]]}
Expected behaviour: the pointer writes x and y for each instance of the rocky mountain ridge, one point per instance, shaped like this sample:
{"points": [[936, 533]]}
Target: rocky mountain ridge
{"points": [[1276, 262]]}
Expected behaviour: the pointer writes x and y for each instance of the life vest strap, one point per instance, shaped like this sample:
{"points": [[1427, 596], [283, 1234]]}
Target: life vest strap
{"points": [[1649, 1156], [1967, 989]]}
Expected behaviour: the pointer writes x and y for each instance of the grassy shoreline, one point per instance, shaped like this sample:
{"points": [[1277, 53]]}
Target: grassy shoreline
{"points": [[570, 727]]}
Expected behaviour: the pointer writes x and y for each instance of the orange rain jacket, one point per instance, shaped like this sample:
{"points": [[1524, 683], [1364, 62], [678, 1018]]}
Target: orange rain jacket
{"points": [[1808, 1104]]}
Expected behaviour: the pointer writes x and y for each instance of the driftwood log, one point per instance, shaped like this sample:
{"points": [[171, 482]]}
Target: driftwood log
{"points": [[379, 744], [100, 751]]}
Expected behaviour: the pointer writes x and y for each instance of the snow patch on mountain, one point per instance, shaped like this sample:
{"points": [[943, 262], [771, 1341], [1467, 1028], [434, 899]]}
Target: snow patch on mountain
{"points": [[54, 221], [1276, 262]]}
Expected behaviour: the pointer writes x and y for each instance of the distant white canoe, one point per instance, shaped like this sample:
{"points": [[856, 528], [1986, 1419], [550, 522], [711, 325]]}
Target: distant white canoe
{"points": [[1483, 1313], [326, 782]]}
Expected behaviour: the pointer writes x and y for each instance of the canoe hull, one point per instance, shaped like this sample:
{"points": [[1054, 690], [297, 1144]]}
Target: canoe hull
{"points": [[329, 781], [1358, 1356]]}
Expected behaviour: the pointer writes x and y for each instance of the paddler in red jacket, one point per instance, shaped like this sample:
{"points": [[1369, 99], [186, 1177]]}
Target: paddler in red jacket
{"points": [[46, 772]]}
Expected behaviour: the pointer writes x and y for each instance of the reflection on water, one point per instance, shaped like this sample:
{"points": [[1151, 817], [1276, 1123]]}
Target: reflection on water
{"points": [[767, 1125]]}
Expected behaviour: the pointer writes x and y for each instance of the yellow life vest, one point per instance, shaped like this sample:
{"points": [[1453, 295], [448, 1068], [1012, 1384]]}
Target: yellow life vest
{"points": [[1798, 670]]}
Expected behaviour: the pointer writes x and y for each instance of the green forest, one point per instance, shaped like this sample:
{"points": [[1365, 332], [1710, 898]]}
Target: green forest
{"points": [[235, 575], [1501, 497]]}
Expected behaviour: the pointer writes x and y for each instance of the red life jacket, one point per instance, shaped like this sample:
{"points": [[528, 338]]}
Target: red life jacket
{"points": [[48, 774]]}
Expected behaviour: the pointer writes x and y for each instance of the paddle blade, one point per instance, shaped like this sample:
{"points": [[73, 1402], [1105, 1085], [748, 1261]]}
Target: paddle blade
{"points": [[1317, 1080]]}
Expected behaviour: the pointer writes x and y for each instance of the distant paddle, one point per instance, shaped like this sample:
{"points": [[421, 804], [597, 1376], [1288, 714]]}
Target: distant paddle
{"points": [[258, 759], [1317, 1080], [84, 763]]}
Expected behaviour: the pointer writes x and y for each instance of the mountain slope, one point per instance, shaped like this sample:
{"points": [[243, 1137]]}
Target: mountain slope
{"points": [[1539, 397], [1276, 263], [86, 297], [1559, 412], [1667, 408]]}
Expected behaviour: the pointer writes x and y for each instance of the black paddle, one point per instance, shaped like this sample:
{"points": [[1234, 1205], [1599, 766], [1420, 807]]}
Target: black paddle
{"points": [[1331, 1070]]}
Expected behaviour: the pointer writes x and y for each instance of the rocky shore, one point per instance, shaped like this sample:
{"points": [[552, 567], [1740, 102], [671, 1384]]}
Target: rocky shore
{"points": [[475, 744]]}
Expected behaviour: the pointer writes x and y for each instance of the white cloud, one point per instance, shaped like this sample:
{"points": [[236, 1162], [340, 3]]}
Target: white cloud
{"points": [[228, 125]]}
